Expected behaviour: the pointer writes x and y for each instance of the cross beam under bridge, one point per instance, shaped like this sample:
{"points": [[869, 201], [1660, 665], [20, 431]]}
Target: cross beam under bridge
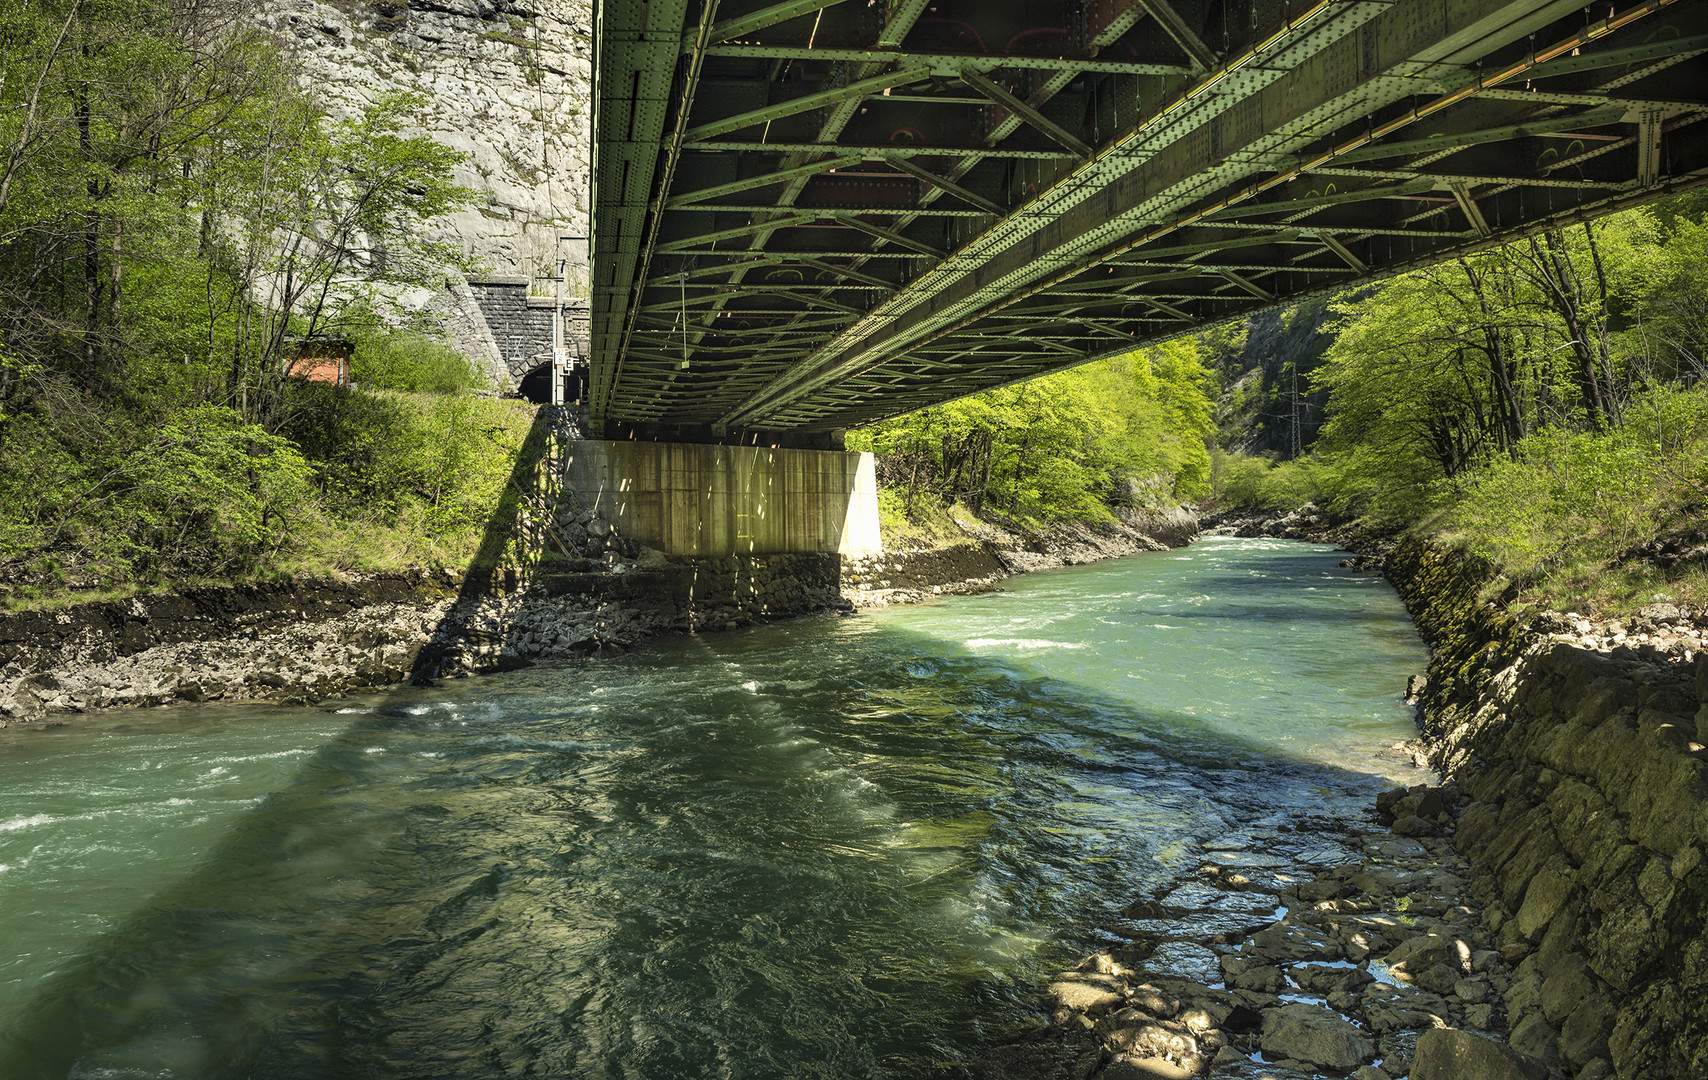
{"points": [[815, 214]]}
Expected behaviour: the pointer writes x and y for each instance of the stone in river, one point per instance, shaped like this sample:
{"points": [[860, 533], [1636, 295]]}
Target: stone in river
{"points": [[1450, 1054], [1316, 1035], [1085, 992], [1186, 960], [1149, 1068]]}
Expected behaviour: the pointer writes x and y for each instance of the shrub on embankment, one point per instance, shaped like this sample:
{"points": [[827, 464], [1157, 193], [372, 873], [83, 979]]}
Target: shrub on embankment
{"points": [[1586, 822], [1601, 521], [173, 494]]}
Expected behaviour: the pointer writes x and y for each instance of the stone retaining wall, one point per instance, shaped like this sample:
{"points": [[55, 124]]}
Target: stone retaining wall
{"points": [[1586, 824]]}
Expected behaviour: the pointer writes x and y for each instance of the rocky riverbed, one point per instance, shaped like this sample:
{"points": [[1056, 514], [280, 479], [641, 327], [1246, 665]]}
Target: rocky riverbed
{"points": [[1300, 949], [1539, 915]]}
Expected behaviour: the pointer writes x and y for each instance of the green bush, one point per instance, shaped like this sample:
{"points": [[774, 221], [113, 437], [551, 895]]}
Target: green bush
{"points": [[205, 495], [387, 358]]}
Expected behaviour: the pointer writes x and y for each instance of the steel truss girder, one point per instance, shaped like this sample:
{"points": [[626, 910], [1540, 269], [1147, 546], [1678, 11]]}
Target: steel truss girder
{"points": [[947, 61], [1269, 122], [958, 300]]}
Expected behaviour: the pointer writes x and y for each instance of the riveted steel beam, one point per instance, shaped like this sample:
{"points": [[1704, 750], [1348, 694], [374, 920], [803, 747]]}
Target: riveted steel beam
{"points": [[927, 176], [1445, 141], [759, 20], [959, 299], [949, 61], [876, 151], [849, 274], [1208, 196], [1345, 253], [1202, 56], [1001, 96], [1317, 202], [896, 238], [807, 103], [718, 191], [739, 230]]}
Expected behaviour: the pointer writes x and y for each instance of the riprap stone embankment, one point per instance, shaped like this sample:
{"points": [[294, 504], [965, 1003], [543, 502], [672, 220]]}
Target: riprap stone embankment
{"points": [[599, 594], [1585, 821]]}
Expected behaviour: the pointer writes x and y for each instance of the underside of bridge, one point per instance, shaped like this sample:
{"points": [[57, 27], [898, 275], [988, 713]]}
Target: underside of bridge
{"points": [[816, 214]]}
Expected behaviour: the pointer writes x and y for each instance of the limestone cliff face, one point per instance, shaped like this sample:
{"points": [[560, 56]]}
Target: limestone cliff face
{"points": [[509, 83]]}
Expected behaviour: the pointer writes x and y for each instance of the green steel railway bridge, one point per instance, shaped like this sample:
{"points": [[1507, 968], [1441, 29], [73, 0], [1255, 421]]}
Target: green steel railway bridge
{"points": [[815, 214]]}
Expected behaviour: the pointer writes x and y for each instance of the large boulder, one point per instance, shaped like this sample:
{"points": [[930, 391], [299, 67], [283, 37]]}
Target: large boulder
{"points": [[1316, 1035], [1451, 1054]]}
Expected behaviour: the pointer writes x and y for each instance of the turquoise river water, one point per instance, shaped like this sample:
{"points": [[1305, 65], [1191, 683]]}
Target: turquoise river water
{"points": [[833, 847]]}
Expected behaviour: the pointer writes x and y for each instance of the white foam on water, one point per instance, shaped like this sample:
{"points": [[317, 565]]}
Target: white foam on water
{"points": [[1023, 643], [28, 822], [262, 757]]}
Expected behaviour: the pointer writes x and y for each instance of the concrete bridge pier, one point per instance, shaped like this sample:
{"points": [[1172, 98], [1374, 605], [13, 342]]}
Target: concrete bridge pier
{"points": [[700, 501]]}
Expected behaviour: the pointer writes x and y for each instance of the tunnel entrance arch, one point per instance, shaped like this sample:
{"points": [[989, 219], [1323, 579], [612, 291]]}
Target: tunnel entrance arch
{"points": [[535, 385]]}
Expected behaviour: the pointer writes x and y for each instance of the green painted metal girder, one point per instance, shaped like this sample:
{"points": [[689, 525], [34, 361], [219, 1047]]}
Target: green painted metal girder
{"points": [[1278, 117], [948, 61], [692, 302], [850, 274], [759, 20], [800, 256], [847, 211], [1169, 251], [745, 260], [1001, 96], [1339, 198], [859, 88], [1446, 141], [878, 151], [740, 230], [894, 237], [1636, 54], [840, 161], [1449, 179], [1202, 56], [925, 175]]}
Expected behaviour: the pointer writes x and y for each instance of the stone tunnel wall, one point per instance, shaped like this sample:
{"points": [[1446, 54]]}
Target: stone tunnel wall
{"points": [[1586, 824], [521, 325]]}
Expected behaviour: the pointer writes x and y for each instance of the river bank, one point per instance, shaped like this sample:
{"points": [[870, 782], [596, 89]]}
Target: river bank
{"points": [[1574, 821], [1540, 914], [1321, 948], [308, 640], [1584, 814]]}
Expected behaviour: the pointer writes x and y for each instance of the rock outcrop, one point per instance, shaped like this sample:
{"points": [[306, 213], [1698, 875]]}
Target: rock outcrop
{"points": [[509, 85]]}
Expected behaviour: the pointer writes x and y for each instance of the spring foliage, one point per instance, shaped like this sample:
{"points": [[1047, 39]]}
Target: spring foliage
{"points": [[1068, 446], [175, 216], [1544, 403]]}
